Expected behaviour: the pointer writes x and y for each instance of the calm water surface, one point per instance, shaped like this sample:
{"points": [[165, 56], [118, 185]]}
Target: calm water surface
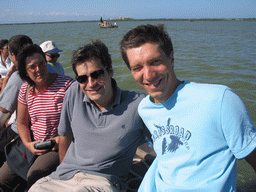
{"points": [[205, 51], [220, 52]]}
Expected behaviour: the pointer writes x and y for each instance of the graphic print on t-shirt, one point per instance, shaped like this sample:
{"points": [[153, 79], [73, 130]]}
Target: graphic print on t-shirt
{"points": [[172, 137]]}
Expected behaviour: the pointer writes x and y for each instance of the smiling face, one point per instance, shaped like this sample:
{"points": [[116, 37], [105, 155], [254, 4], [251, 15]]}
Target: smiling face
{"points": [[99, 90], [153, 70], [37, 69]]}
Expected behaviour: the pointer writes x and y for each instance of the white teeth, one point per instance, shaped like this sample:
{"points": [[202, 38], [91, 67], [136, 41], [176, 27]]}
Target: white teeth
{"points": [[154, 84]]}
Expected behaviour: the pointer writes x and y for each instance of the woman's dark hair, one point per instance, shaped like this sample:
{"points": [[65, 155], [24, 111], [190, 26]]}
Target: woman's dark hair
{"points": [[3, 42], [94, 50], [145, 34], [27, 51]]}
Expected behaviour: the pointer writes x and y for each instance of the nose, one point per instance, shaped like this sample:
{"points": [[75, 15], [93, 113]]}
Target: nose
{"points": [[149, 73], [38, 67], [91, 82]]}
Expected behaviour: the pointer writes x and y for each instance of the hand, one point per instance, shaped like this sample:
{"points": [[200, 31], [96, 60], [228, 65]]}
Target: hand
{"points": [[30, 147], [56, 146], [11, 70]]}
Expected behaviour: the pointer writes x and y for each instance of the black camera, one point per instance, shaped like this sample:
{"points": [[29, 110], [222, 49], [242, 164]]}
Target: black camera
{"points": [[45, 145]]}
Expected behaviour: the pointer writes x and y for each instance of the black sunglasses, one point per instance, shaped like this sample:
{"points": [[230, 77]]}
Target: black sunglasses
{"points": [[53, 55], [95, 75]]}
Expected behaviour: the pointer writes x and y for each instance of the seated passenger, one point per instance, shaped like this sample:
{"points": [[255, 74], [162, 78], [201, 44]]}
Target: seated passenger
{"points": [[5, 62], [9, 95], [51, 51], [100, 128], [43, 105]]}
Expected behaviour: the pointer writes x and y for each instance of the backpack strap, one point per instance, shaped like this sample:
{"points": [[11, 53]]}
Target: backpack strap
{"points": [[29, 87]]}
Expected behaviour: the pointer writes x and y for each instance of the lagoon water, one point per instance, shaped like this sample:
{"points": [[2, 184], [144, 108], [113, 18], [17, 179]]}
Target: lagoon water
{"points": [[222, 52]]}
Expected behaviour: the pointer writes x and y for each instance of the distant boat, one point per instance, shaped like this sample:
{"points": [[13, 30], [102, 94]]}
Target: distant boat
{"points": [[105, 24], [109, 26]]}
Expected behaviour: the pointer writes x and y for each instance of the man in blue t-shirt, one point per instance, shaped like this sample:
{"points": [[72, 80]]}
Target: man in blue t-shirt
{"points": [[198, 130], [100, 128]]}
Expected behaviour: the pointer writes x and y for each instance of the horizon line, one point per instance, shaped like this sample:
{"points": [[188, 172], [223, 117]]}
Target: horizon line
{"points": [[130, 19]]}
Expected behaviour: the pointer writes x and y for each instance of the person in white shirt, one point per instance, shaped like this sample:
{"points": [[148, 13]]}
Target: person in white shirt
{"points": [[5, 62]]}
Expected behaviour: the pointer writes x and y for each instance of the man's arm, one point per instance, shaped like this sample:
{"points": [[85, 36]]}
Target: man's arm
{"points": [[64, 142], [1, 83], [4, 116], [7, 77], [251, 159]]}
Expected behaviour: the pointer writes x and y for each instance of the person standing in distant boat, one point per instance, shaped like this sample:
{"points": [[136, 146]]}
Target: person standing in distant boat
{"points": [[51, 51]]}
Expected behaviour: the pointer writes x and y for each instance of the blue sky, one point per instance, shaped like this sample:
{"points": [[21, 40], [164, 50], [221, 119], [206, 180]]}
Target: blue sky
{"points": [[20, 11]]}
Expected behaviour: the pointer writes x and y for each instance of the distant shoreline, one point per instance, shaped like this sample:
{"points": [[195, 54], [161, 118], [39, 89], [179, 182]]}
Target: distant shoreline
{"points": [[119, 20]]}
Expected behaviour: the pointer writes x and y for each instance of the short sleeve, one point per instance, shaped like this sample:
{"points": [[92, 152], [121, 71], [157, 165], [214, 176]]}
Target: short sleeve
{"points": [[22, 94], [8, 98], [64, 127], [237, 125]]}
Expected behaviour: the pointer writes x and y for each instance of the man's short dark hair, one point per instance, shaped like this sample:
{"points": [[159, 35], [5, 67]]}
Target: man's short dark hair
{"points": [[145, 34], [3, 42], [17, 42], [94, 50], [26, 52]]}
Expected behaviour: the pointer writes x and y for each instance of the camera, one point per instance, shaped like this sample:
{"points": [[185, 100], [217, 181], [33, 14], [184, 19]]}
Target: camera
{"points": [[45, 145]]}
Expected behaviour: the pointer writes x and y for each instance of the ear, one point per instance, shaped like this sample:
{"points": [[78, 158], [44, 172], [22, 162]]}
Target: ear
{"points": [[111, 72], [172, 59]]}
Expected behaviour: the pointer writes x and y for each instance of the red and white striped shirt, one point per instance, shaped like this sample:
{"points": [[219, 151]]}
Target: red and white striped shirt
{"points": [[44, 108]]}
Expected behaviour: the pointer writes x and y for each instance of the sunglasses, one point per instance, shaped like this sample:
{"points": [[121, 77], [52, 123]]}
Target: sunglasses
{"points": [[95, 75], [53, 55]]}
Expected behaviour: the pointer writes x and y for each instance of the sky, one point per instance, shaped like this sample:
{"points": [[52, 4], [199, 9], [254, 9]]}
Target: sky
{"points": [[32, 11]]}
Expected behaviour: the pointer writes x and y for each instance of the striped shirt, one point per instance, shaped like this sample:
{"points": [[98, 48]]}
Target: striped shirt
{"points": [[45, 107]]}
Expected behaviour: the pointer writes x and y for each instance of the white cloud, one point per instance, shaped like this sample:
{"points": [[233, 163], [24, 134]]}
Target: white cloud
{"points": [[8, 16]]}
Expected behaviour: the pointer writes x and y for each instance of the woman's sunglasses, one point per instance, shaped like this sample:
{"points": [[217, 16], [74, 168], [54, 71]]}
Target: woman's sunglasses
{"points": [[95, 75]]}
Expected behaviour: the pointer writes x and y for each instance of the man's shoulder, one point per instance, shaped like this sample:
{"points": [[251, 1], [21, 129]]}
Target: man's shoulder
{"points": [[205, 88], [64, 78], [73, 90], [14, 80], [8, 97], [15, 77], [58, 64], [132, 95]]}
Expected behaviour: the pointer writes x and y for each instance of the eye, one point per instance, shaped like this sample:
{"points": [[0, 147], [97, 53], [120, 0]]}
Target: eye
{"points": [[136, 68], [156, 62]]}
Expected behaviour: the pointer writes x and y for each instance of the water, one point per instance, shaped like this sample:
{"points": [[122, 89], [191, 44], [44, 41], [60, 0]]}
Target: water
{"points": [[220, 52]]}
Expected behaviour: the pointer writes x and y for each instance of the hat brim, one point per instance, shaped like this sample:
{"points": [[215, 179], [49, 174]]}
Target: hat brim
{"points": [[54, 51]]}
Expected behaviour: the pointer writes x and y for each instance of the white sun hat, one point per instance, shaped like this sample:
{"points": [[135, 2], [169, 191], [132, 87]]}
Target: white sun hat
{"points": [[50, 47]]}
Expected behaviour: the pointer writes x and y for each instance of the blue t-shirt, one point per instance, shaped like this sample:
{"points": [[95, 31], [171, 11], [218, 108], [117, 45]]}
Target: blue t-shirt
{"points": [[57, 68], [198, 133]]}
